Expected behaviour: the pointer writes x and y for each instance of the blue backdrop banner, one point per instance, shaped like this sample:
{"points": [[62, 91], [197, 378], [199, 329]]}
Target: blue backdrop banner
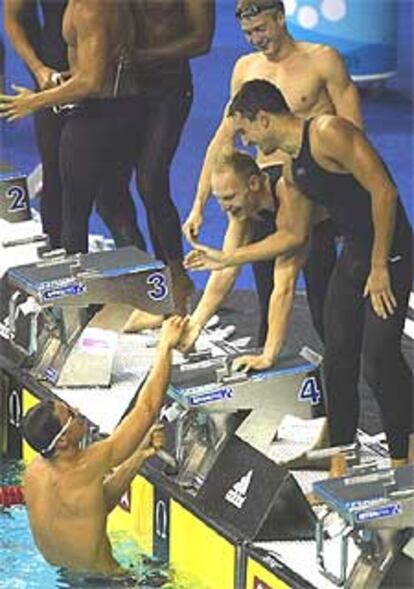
{"points": [[364, 31]]}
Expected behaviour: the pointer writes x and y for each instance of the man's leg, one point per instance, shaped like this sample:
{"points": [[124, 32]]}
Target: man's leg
{"points": [[318, 270], [263, 278], [114, 202], [343, 328], [48, 128], [385, 368], [96, 136], [116, 207], [165, 117]]}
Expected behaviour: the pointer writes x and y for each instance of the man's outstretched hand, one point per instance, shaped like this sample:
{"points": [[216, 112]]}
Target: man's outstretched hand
{"points": [[192, 225], [17, 106], [172, 330], [203, 257]]}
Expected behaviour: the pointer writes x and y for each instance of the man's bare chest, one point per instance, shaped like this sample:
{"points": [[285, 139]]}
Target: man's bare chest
{"points": [[300, 84]]}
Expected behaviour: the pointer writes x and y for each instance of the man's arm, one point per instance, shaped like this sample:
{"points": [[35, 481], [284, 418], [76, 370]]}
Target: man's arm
{"points": [[294, 234], [198, 36], [92, 52], [348, 146], [120, 445], [286, 273], [15, 29], [117, 483], [218, 286], [342, 91], [223, 136]]}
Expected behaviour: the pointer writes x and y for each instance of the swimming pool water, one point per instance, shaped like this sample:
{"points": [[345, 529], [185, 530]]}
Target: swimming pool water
{"points": [[23, 567]]}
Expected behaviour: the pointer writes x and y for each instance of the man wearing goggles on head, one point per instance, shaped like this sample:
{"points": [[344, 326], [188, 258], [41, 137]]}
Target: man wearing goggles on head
{"points": [[69, 491], [314, 80]]}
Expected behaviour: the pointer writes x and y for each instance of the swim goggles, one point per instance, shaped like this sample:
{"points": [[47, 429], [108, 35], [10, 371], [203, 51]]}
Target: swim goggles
{"points": [[48, 451], [254, 9]]}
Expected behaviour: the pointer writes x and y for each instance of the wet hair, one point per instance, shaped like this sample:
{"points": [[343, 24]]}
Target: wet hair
{"points": [[257, 95], [251, 8], [242, 163], [40, 426]]}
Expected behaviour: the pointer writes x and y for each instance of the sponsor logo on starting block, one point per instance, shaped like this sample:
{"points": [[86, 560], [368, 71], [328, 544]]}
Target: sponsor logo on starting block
{"points": [[210, 397], [14, 198], [392, 510], [238, 493], [69, 290]]}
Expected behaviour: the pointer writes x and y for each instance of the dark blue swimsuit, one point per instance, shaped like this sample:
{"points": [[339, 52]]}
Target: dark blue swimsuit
{"points": [[352, 329], [346, 200], [317, 271]]}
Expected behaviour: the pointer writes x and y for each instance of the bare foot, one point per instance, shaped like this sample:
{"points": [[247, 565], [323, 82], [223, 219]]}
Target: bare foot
{"points": [[397, 462], [139, 320], [182, 288], [313, 499], [338, 466]]}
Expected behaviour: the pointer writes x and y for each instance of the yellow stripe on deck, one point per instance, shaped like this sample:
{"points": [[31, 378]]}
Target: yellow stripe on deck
{"points": [[199, 552], [138, 521], [29, 401]]}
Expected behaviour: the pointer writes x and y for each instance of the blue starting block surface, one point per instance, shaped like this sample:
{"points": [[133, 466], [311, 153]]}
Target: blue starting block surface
{"points": [[293, 386], [126, 275], [372, 497]]}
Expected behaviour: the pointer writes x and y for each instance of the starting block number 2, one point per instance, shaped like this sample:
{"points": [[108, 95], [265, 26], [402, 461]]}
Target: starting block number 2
{"points": [[310, 391], [17, 195]]}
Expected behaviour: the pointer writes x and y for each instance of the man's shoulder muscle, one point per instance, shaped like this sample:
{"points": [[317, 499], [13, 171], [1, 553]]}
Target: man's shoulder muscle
{"points": [[31, 470], [245, 63], [91, 12]]}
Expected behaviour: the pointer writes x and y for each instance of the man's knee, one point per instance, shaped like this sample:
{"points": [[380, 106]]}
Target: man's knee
{"points": [[378, 360], [153, 180]]}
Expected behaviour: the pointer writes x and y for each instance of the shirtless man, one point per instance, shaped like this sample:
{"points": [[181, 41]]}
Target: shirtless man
{"points": [[34, 28], [314, 80], [67, 489], [99, 133], [254, 208], [335, 166], [43, 50], [168, 34]]}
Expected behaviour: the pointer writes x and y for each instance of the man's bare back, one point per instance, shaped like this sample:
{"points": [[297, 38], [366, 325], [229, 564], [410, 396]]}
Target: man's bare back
{"points": [[70, 491], [68, 515]]}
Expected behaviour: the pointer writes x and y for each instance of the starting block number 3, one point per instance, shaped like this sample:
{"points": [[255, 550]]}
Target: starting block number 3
{"points": [[159, 287], [310, 391]]}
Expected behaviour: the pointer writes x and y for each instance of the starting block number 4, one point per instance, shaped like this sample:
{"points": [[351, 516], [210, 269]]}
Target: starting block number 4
{"points": [[310, 391]]}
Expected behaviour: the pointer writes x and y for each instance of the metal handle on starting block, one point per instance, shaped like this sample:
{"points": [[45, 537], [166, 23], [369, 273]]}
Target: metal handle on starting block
{"points": [[168, 415], [168, 459], [351, 453], [340, 579], [332, 451]]}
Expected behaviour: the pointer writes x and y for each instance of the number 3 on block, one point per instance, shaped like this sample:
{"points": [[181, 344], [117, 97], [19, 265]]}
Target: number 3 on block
{"points": [[159, 287]]}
